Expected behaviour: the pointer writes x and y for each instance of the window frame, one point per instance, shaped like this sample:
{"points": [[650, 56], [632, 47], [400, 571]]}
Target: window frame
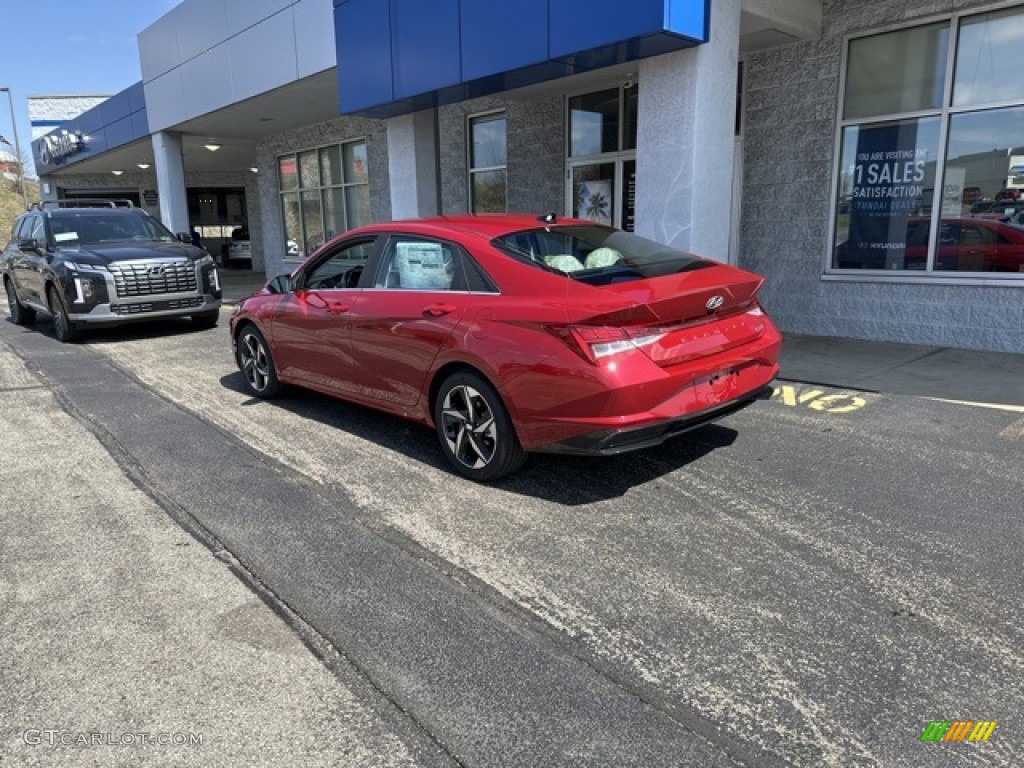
{"points": [[945, 113], [321, 189], [471, 170], [617, 158]]}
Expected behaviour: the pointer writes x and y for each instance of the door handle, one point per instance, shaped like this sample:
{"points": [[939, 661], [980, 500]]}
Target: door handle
{"points": [[436, 310], [337, 308]]}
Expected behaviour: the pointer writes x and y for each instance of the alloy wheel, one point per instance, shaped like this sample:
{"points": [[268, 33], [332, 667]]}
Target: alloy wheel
{"points": [[469, 426], [255, 362]]}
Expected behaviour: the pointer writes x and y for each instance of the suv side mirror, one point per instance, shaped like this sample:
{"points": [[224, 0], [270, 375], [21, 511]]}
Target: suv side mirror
{"points": [[281, 284], [28, 244], [185, 237]]}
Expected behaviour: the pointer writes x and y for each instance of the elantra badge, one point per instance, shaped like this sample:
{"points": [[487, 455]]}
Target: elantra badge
{"points": [[715, 302]]}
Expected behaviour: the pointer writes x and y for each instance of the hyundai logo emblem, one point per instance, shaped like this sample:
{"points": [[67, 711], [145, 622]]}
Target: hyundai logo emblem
{"points": [[715, 302]]}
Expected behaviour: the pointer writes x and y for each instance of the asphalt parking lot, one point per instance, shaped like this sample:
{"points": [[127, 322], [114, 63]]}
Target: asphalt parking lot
{"points": [[808, 582]]}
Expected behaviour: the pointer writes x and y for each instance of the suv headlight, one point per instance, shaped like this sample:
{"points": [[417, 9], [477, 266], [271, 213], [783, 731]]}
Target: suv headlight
{"points": [[75, 266]]}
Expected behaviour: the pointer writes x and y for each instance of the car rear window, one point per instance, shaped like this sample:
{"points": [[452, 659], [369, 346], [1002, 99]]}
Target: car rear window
{"points": [[596, 255]]}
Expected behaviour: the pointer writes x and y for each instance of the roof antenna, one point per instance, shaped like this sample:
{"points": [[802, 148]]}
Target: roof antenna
{"points": [[548, 219]]}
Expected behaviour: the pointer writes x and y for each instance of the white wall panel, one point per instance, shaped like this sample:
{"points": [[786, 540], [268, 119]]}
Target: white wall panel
{"points": [[200, 25], [158, 46], [242, 14], [263, 57], [206, 80], [314, 36], [165, 101]]}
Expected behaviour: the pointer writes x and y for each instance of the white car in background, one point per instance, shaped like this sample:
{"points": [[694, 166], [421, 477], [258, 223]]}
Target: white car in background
{"points": [[239, 252]]}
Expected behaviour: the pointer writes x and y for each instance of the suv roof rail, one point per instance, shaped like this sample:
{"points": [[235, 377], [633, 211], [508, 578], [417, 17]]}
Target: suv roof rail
{"points": [[84, 202]]}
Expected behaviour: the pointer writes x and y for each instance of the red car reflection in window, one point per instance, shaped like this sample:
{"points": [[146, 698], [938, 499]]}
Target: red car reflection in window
{"points": [[965, 245]]}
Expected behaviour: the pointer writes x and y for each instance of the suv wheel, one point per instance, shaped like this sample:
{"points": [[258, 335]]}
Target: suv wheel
{"points": [[62, 326], [474, 428], [21, 315], [257, 364]]}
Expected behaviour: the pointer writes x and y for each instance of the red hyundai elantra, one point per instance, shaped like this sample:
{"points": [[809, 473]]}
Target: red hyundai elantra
{"points": [[511, 334]]}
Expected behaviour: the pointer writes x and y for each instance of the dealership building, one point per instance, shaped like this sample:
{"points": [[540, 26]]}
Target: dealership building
{"points": [[865, 156]]}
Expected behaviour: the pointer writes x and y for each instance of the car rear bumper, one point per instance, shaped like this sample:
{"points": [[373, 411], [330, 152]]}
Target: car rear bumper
{"points": [[609, 442]]}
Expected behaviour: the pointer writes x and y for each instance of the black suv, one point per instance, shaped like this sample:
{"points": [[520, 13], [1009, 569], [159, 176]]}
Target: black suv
{"points": [[100, 266]]}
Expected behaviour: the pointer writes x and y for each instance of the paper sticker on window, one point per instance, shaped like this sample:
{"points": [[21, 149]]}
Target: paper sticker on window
{"points": [[422, 266], [63, 237]]}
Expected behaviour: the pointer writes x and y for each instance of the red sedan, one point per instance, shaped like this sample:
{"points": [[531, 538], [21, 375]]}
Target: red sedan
{"points": [[511, 334]]}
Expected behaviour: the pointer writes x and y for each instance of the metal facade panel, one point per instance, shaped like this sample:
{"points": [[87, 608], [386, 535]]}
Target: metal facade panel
{"points": [[500, 37], [689, 18], [315, 46], [362, 29], [398, 55], [425, 45], [580, 25], [262, 57]]}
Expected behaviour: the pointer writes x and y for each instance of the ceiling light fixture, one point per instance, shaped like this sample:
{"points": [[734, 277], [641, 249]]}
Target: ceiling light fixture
{"points": [[212, 147], [255, 170], [143, 166], [117, 173]]}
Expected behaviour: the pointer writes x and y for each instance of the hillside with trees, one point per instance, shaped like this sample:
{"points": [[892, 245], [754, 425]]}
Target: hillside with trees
{"points": [[11, 205]]}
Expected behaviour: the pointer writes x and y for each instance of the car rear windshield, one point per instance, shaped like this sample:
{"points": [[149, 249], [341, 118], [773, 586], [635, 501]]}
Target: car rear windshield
{"points": [[596, 255], [73, 229]]}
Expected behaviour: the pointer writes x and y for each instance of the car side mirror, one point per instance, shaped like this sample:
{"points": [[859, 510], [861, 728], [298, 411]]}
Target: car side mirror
{"points": [[185, 237], [28, 244], [281, 284]]}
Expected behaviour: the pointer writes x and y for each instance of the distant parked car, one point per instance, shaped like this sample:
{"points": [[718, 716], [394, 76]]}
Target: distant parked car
{"points": [[239, 250], [1009, 193], [511, 334]]}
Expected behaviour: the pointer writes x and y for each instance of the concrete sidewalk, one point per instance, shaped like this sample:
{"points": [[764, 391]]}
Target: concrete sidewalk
{"points": [[905, 369], [121, 631]]}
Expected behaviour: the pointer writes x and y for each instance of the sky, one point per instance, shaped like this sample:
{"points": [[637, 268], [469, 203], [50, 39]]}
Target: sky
{"points": [[68, 46]]}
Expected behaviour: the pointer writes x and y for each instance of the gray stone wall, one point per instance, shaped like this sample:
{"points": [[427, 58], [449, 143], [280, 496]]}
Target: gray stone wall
{"points": [[273, 242], [789, 143], [536, 154]]}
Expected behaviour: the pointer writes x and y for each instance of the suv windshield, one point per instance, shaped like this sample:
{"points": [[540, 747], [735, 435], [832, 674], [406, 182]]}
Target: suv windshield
{"points": [[596, 255], [95, 228]]}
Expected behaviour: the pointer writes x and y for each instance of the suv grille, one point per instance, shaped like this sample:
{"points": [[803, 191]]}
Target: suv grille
{"points": [[159, 306], [152, 278]]}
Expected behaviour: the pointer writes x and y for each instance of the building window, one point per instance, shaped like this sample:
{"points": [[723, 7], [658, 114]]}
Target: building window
{"points": [[602, 155], [488, 161], [931, 151], [324, 192]]}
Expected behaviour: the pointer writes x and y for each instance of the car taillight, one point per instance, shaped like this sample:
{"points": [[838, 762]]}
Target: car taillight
{"points": [[600, 341]]}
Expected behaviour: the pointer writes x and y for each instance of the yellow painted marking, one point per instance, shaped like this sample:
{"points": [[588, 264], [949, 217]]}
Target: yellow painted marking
{"points": [[1013, 432], [852, 403], [816, 399], [982, 730]]}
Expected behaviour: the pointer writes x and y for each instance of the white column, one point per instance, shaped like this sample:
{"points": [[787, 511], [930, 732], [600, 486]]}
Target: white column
{"points": [[685, 142], [413, 165], [170, 181]]}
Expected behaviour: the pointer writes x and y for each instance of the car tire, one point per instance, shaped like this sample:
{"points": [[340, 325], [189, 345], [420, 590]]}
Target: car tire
{"points": [[207, 320], [20, 314], [475, 431], [63, 328], [256, 363]]}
